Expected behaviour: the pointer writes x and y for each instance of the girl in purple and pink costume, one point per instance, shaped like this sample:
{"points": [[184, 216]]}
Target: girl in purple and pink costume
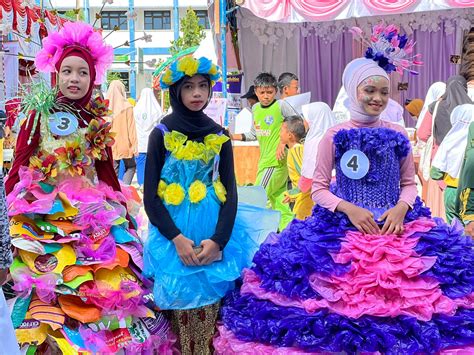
{"points": [[370, 271]]}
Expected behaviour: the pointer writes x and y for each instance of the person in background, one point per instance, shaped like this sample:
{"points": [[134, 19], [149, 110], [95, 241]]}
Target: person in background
{"points": [[447, 162], [123, 125], [292, 134], [393, 113], [320, 119], [414, 108], [268, 116], [9, 342], [147, 114], [252, 99], [434, 93], [288, 84]]}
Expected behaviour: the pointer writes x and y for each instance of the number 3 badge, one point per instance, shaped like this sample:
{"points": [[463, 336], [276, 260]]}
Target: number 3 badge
{"points": [[63, 123], [354, 164]]}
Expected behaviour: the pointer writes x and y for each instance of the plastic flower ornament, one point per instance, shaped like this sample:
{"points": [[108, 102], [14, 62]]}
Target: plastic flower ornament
{"points": [[99, 107], [161, 189], [197, 191], [46, 163], [188, 66], [174, 194], [390, 49], [72, 158], [98, 138], [220, 191]]}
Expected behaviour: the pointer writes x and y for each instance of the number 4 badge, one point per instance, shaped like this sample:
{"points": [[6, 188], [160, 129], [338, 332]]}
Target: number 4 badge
{"points": [[63, 123], [354, 164]]}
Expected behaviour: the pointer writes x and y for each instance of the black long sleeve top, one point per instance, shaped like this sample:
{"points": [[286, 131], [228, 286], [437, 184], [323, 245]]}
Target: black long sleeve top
{"points": [[156, 210]]}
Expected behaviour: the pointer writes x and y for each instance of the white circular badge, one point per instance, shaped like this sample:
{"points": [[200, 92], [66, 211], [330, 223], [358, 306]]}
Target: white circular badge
{"points": [[354, 164], [63, 123]]}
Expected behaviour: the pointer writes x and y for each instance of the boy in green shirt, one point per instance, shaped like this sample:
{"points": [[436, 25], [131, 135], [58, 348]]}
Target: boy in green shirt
{"points": [[268, 116]]}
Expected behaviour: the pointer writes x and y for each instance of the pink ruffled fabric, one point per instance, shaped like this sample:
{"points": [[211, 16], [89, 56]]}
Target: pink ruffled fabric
{"points": [[383, 281], [226, 343], [18, 200]]}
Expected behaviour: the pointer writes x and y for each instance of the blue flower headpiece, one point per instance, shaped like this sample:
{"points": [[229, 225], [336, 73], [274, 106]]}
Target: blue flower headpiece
{"points": [[189, 66], [390, 49]]}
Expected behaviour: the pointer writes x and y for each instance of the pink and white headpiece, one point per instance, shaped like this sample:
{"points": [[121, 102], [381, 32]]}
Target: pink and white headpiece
{"points": [[75, 34]]}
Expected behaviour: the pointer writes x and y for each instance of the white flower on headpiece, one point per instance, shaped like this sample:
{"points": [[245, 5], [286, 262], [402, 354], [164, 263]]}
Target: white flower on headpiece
{"points": [[28, 3], [146, 38], [110, 2], [151, 63], [131, 15]]}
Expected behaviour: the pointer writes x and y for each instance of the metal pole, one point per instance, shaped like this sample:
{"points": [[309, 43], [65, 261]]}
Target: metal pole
{"points": [[176, 19], [87, 11], [78, 6], [131, 29], [223, 23]]}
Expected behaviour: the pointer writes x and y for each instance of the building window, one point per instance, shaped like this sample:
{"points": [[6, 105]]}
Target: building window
{"points": [[110, 19], [157, 20], [203, 18]]}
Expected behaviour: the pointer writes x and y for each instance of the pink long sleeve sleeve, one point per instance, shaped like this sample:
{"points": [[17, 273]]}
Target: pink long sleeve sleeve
{"points": [[323, 173], [424, 131]]}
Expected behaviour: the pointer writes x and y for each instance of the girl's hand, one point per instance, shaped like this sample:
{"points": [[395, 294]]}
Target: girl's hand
{"points": [[394, 219], [361, 218], [210, 252], [184, 248]]}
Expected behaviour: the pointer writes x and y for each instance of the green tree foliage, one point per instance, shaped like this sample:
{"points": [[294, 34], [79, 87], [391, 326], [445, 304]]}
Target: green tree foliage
{"points": [[192, 33], [71, 15]]}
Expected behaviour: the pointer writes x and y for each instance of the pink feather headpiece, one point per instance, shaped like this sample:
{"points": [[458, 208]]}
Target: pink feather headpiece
{"points": [[75, 34]]}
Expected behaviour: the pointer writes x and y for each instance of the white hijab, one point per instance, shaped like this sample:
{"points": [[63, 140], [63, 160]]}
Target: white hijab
{"points": [[147, 114], [435, 91], [341, 106], [393, 113], [450, 154], [320, 119]]}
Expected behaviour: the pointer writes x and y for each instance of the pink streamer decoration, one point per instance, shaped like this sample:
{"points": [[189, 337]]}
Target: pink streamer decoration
{"points": [[390, 6], [94, 341], [319, 10], [105, 253]]}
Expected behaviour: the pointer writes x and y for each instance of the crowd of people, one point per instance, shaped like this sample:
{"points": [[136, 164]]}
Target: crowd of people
{"points": [[350, 257]]}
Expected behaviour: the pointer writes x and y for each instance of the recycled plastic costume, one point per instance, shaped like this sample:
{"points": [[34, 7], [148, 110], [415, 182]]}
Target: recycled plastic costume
{"points": [[77, 270], [321, 286]]}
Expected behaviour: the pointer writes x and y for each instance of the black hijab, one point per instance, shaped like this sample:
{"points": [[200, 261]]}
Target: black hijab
{"points": [[455, 95], [193, 124]]}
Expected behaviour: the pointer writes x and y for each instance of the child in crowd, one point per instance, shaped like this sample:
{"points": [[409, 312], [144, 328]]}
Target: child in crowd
{"points": [[197, 246], [292, 134], [268, 116]]}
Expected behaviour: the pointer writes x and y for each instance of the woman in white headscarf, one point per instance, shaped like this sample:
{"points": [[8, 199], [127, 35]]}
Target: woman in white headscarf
{"points": [[448, 160], [320, 118], [393, 113], [147, 114], [341, 106], [435, 91]]}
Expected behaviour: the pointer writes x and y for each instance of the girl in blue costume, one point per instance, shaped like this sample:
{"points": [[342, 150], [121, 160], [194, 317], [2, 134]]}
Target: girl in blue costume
{"points": [[198, 241], [369, 271]]}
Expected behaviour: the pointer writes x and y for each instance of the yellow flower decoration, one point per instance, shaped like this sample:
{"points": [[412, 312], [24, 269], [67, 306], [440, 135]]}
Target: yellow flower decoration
{"points": [[168, 77], [213, 70], [188, 65], [161, 189], [220, 191], [174, 194], [174, 140], [197, 191]]}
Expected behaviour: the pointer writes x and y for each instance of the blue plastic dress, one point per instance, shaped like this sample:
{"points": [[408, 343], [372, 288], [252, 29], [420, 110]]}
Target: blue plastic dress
{"points": [[192, 193]]}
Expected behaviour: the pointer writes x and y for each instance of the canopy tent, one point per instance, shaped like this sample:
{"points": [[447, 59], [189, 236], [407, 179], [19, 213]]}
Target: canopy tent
{"points": [[329, 10], [319, 51]]}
